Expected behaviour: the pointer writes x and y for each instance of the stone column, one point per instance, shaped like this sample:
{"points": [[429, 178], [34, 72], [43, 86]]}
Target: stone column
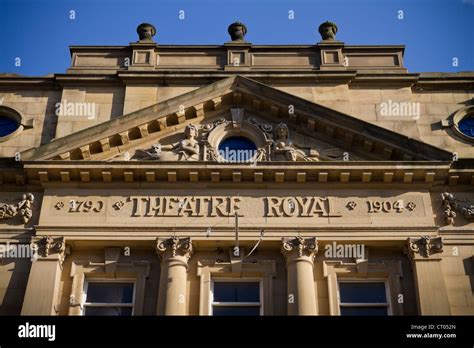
{"points": [[432, 296], [174, 253], [299, 254], [43, 282]]}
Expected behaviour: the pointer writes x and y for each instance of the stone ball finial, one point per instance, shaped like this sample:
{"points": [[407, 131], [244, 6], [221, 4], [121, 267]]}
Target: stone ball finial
{"points": [[146, 31], [237, 31], [328, 30]]}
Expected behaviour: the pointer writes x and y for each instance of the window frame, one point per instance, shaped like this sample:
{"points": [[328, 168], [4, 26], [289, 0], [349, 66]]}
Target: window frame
{"points": [[453, 123], [13, 114], [107, 304], [260, 304], [386, 304]]}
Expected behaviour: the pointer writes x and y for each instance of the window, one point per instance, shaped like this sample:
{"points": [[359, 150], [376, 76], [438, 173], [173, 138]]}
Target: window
{"points": [[108, 298], [363, 298], [7, 125], [237, 149], [236, 298], [462, 123], [466, 126], [10, 123]]}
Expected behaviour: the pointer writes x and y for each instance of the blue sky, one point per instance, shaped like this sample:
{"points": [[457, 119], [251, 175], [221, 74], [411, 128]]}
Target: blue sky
{"points": [[40, 31]]}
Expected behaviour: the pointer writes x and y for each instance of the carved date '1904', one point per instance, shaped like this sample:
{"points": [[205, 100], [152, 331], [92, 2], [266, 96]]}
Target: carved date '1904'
{"points": [[385, 206]]}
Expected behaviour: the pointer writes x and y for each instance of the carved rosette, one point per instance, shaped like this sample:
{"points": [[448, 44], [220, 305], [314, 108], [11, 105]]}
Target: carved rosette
{"points": [[425, 246], [174, 247], [299, 247], [48, 246]]}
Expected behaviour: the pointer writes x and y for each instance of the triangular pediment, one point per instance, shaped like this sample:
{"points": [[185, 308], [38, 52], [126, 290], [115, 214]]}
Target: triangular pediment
{"points": [[312, 127], [210, 130]]}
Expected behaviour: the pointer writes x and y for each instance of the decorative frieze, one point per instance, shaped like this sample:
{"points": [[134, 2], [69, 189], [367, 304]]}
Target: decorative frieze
{"points": [[187, 149], [22, 208], [272, 206]]}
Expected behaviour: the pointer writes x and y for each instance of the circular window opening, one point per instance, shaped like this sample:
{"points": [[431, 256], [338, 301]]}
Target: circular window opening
{"points": [[466, 126], [462, 123], [237, 149], [7, 125]]}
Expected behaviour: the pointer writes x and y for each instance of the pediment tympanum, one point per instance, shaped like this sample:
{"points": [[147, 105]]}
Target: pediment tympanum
{"points": [[192, 126], [205, 141]]}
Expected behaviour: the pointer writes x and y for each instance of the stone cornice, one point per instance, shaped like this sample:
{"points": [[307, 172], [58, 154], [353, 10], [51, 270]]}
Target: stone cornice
{"points": [[225, 236], [37, 82], [375, 173], [434, 81], [418, 81], [169, 46]]}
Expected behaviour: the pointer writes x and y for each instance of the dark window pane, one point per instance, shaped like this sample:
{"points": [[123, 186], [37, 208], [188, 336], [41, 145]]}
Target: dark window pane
{"points": [[362, 292], [236, 310], [110, 292], [7, 125], [236, 292], [364, 311], [466, 126], [110, 311], [237, 149]]}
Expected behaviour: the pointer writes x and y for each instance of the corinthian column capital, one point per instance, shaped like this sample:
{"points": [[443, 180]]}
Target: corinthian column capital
{"points": [[299, 248], [424, 247], [174, 247]]}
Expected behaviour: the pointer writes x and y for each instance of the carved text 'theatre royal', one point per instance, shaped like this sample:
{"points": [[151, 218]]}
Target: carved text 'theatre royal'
{"points": [[150, 206]]}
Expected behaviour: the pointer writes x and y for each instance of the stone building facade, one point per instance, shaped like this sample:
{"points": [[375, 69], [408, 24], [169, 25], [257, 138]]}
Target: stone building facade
{"points": [[236, 179]]}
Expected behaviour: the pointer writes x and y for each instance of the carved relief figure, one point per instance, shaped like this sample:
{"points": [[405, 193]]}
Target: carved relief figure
{"points": [[153, 153], [283, 148], [23, 208], [186, 150]]}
